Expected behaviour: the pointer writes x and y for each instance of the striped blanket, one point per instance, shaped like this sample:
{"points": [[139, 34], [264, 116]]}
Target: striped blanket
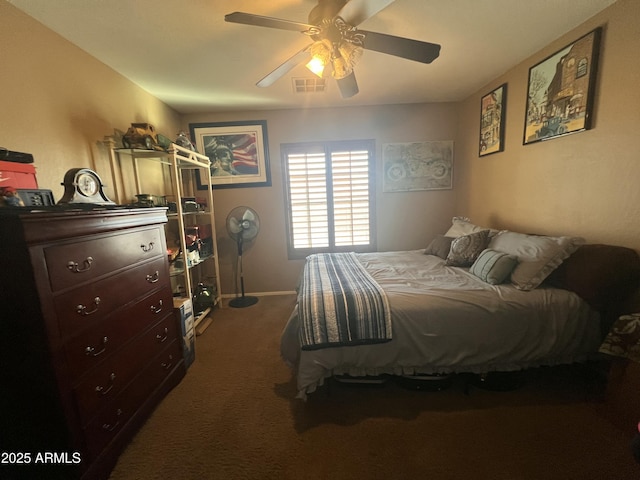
{"points": [[340, 304]]}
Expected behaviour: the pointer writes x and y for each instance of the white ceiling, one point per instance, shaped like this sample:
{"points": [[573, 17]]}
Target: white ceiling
{"points": [[184, 53]]}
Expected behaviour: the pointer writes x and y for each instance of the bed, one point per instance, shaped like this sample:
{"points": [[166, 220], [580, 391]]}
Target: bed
{"points": [[476, 300]]}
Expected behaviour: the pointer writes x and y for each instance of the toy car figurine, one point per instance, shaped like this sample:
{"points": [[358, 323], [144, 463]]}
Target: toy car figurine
{"points": [[144, 135]]}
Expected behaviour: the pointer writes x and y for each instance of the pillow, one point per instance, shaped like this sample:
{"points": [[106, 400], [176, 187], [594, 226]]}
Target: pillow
{"points": [[462, 226], [465, 249], [493, 267], [439, 246], [538, 255]]}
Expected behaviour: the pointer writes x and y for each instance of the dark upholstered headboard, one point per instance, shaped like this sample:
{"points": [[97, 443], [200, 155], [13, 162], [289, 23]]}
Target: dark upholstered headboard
{"points": [[607, 277]]}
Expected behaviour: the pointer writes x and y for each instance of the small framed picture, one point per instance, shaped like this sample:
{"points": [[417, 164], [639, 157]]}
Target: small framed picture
{"points": [[492, 120], [238, 152]]}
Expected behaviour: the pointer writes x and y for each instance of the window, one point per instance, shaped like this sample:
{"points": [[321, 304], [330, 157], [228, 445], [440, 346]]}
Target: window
{"points": [[583, 66], [329, 194]]}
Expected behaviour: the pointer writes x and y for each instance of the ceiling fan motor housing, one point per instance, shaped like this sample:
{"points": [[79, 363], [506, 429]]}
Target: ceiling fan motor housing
{"points": [[325, 10]]}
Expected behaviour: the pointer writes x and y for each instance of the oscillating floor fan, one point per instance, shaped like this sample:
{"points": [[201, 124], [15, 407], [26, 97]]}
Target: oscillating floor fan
{"points": [[243, 225]]}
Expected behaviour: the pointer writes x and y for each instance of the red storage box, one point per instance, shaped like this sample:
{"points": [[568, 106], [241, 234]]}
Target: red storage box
{"points": [[17, 175]]}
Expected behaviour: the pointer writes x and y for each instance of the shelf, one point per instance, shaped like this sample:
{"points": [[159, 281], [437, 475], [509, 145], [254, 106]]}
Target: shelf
{"points": [[174, 215], [174, 272], [184, 157], [202, 260], [180, 271], [158, 155], [179, 181], [203, 325], [203, 321]]}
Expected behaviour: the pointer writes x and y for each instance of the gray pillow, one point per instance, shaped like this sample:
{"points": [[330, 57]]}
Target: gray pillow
{"points": [[465, 249], [439, 246], [538, 255], [493, 267]]}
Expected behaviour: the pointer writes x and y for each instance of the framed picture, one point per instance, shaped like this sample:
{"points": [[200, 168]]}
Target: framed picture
{"points": [[417, 166], [238, 152], [561, 90], [492, 114]]}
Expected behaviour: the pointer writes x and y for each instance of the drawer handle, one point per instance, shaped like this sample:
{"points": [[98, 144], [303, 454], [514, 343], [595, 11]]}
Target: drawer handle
{"points": [[75, 268], [157, 309], [92, 352], [82, 309], [147, 248], [153, 278], [167, 365], [111, 428], [161, 338], [102, 390]]}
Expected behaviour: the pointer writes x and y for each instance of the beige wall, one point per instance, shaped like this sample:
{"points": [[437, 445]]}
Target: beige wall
{"points": [[581, 184], [58, 103], [405, 220]]}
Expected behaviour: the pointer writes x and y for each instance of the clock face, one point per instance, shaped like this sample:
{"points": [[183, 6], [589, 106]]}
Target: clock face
{"points": [[87, 184]]}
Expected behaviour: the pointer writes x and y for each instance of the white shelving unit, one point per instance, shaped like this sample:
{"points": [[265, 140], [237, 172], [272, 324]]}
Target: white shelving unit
{"points": [[187, 271]]}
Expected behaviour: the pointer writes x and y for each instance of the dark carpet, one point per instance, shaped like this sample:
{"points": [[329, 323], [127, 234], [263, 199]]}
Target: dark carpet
{"points": [[234, 416]]}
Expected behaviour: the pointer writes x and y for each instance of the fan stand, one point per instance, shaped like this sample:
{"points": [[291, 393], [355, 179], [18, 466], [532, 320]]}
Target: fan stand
{"points": [[243, 301]]}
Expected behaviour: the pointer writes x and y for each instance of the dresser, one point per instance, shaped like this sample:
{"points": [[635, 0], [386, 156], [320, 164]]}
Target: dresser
{"points": [[89, 340]]}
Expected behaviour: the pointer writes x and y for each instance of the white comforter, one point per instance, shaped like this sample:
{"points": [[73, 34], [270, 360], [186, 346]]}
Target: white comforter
{"points": [[445, 319]]}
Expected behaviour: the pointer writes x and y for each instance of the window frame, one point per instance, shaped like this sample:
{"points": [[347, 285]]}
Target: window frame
{"points": [[328, 147]]}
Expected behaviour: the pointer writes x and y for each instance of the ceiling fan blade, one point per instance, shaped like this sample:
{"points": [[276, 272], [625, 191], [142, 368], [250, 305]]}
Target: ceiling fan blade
{"points": [[401, 47], [348, 85], [260, 21], [294, 61], [357, 11]]}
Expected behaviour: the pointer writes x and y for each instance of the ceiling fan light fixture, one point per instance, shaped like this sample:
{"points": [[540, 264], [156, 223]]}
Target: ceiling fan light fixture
{"points": [[316, 66], [345, 58], [341, 68], [350, 52], [320, 56]]}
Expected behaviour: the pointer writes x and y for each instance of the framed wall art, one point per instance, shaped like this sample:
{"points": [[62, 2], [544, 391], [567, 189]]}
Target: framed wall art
{"points": [[492, 120], [561, 90], [238, 151], [417, 166]]}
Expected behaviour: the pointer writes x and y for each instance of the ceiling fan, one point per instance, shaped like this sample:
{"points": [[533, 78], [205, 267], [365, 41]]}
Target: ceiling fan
{"points": [[337, 42]]}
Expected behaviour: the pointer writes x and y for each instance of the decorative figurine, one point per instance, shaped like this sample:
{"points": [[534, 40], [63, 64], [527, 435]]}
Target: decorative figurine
{"points": [[184, 141], [9, 197], [144, 135]]}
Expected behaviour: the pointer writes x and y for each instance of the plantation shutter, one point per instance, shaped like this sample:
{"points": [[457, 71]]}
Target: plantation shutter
{"points": [[350, 174], [308, 200], [329, 197]]}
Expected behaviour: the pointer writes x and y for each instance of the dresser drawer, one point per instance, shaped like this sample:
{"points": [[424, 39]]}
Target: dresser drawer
{"points": [[110, 420], [87, 305], [108, 379], [71, 264], [92, 346]]}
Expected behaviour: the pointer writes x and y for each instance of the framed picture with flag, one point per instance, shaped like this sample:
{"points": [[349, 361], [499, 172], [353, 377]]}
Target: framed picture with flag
{"points": [[238, 152]]}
